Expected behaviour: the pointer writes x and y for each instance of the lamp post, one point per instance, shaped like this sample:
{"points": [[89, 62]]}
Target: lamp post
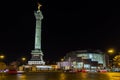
{"points": [[61, 63], [23, 60], [2, 57], [62, 59], [2, 64], [110, 52]]}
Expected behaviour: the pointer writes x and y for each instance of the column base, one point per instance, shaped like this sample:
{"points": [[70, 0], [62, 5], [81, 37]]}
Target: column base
{"points": [[36, 62], [37, 58]]}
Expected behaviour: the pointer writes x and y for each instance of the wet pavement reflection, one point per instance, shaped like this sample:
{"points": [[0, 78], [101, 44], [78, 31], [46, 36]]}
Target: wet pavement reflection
{"points": [[61, 76]]}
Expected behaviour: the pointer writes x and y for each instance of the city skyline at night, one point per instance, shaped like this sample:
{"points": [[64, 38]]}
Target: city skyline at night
{"points": [[66, 27]]}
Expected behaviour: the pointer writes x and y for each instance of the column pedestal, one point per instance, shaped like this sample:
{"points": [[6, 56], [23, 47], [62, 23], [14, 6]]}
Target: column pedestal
{"points": [[37, 58]]}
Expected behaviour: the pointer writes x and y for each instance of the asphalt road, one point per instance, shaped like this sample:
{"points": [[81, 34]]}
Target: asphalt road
{"points": [[61, 76]]}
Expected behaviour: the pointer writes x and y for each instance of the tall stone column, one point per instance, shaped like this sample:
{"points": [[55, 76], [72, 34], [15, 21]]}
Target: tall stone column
{"points": [[37, 54], [39, 17]]}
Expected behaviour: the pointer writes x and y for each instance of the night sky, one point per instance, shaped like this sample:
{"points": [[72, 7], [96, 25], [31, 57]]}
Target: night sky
{"points": [[67, 26]]}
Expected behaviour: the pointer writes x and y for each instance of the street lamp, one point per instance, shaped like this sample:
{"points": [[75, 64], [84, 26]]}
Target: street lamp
{"points": [[62, 59], [111, 51], [2, 57], [23, 59], [2, 64]]}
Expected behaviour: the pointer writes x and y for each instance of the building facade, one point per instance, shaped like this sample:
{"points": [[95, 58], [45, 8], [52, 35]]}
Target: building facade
{"points": [[86, 59]]}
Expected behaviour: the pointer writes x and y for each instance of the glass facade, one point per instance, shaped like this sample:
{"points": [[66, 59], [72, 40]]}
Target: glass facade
{"points": [[85, 59]]}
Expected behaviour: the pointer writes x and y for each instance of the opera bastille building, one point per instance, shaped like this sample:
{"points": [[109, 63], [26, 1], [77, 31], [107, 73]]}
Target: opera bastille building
{"points": [[86, 59]]}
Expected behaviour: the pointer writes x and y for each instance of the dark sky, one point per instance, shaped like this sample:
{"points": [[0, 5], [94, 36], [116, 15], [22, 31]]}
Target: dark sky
{"points": [[67, 26]]}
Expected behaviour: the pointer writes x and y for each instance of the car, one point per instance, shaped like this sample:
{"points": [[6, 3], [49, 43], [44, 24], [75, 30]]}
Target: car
{"points": [[12, 72], [102, 70]]}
